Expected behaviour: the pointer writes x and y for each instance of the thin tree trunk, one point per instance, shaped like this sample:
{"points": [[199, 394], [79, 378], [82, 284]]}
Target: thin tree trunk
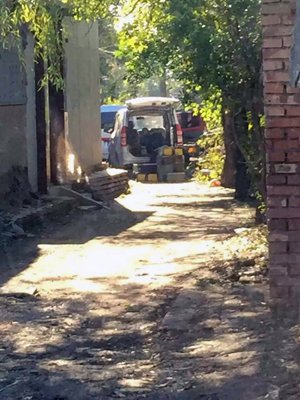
{"points": [[57, 135], [41, 129], [243, 180], [163, 85], [229, 169]]}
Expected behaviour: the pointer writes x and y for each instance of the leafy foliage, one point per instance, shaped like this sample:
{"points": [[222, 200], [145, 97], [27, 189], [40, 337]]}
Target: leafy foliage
{"points": [[212, 161], [212, 142], [43, 18]]}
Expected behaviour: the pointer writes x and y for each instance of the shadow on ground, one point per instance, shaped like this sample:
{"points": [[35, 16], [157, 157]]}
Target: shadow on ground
{"points": [[225, 352]]}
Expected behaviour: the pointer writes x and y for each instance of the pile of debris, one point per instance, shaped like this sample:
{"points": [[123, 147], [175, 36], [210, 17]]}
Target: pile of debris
{"points": [[108, 184]]}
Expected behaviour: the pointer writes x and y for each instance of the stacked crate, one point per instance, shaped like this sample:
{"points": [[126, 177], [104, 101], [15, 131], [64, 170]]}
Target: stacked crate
{"points": [[170, 165]]}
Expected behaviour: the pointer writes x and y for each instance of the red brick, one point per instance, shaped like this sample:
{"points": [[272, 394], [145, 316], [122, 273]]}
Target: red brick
{"points": [[280, 292], [294, 179], [292, 133], [274, 65], [276, 179], [278, 156], [283, 190], [278, 271], [272, 99], [278, 225], [284, 280], [274, 133], [294, 294], [278, 259], [277, 202], [279, 122], [269, 145], [277, 76], [294, 269], [287, 20], [294, 236], [271, 43], [293, 111], [293, 156], [280, 144], [288, 144], [279, 236], [276, 8], [293, 99], [287, 41], [278, 248], [283, 213], [274, 88], [270, 53], [278, 31], [292, 90], [270, 20], [294, 224], [294, 248], [294, 201]]}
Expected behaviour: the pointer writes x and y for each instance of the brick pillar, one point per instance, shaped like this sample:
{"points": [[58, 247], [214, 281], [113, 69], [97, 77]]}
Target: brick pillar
{"points": [[282, 109]]}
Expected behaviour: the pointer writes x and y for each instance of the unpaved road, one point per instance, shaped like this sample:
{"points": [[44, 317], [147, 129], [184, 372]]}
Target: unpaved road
{"points": [[130, 306]]}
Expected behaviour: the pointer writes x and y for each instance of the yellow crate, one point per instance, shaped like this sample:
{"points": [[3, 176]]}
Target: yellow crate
{"points": [[168, 151], [141, 177], [152, 178], [179, 152]]}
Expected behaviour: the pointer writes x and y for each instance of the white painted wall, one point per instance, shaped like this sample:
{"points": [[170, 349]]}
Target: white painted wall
{"points": [[82, 95]]}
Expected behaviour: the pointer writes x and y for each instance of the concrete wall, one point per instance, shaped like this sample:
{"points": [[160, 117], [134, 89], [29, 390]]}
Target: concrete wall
{"points": [[282, 109], [17, 122], [82, 95], [12, 115]]}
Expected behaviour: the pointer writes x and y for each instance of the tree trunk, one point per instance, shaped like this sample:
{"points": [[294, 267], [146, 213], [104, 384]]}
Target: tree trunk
{"points": [[41, 129], [242, 180], [229, 169], [163, 88], [57, 135]]}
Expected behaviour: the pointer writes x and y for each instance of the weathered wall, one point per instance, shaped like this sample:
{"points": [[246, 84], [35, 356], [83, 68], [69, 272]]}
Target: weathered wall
{"points": [[12, 115], [282, 107], [82, 95]]}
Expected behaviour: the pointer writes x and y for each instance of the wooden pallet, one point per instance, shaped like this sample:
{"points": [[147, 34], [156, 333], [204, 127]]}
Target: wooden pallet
{"points": [[108, 184]]}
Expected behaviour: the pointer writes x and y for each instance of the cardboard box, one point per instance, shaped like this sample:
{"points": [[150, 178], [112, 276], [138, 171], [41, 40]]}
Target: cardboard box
{"points": [[153, 178]]}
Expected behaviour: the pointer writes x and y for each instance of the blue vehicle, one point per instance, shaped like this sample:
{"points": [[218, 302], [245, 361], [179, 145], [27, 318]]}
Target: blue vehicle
{"points": [[108, 113]]}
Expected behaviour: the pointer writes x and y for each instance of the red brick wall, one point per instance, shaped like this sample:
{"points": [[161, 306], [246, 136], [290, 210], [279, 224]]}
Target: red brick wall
{"points": [[282, 109]]}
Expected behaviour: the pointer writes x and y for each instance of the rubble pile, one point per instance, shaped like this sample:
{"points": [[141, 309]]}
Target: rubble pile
{"points": [[19, 192]]}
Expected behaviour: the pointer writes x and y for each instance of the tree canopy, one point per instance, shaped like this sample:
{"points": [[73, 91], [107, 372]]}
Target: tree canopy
{"points": [[210, 46], [43, 18]]}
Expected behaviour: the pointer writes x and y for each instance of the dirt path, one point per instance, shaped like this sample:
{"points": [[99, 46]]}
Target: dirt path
{"points": [[131, 305]]}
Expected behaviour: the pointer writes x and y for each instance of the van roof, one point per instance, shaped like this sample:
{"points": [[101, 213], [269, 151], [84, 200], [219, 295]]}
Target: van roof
{"points": [[111, 108], [151, 101]]}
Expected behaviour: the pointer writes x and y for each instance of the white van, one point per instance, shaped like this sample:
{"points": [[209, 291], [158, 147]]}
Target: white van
{"points": [[145, 125]]}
